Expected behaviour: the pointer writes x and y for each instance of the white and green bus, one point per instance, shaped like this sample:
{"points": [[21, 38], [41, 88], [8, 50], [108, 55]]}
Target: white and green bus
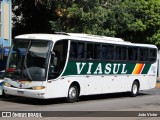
{"points": [[72, 65]]}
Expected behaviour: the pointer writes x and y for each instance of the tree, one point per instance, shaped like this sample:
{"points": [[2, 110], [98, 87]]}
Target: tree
{"points": [[138, 21], [85, 16], [132, 20], [31, 16]]}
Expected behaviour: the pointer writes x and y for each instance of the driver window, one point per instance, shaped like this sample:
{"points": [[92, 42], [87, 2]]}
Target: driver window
{"points": [[58, 59]]}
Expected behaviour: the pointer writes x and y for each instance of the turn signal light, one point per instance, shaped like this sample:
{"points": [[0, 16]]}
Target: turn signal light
{"points": [[7, 84], [38, 87]]}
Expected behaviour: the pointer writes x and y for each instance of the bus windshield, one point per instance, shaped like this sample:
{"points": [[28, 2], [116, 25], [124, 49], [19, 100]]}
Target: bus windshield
{"points": [[27, 60]]}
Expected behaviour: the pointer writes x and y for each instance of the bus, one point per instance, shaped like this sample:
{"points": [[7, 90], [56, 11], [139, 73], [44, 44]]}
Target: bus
{"points": [[3, 58], [70, 65]]}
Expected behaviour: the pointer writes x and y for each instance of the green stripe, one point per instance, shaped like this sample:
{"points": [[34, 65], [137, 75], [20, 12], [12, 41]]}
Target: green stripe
{"points": [[146, 69], [120, 68]]}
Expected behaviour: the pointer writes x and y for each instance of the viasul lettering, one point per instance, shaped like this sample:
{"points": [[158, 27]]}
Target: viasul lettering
{"points": [[99, 68]]}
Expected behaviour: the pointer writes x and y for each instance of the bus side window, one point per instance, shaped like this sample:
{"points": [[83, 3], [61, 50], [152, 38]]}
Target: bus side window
{"points": [[80, 50], [52, 69], [152, 55], [118, 53], [133, 54], [89, 51], [121, 53], [108, 52], [77, 50], [73, 50], [97, 51], [104, 52], [143, 54]]}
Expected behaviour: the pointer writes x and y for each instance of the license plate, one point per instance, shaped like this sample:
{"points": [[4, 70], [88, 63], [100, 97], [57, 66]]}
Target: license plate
{"points": [[20, 92]]}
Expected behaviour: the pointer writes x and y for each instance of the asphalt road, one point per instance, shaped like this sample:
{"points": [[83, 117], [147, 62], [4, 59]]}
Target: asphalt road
{"points": [[146, 101]]}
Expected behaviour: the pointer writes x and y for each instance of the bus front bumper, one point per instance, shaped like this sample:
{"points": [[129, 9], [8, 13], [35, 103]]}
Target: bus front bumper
{"points": [[25, 92]]}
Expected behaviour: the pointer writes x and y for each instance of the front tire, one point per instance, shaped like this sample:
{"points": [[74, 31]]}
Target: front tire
{"points": [[135, 89], [72, 94]]}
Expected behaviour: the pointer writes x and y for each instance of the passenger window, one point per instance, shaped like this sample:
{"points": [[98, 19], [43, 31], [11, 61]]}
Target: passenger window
{"points": [[153, 55], [97, 51], [77, 50], [133, 54], [90, 51], [108, 52], [120, 53], [143, 54], [73, 50], [80, 50]]}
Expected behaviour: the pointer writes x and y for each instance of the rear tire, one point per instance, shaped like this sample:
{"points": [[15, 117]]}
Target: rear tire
{"points": [[134, 89], [72, 94]]}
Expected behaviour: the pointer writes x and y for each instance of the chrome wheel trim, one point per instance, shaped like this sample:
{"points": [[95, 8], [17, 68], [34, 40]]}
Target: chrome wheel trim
{"points": [[72, 93], [135, 89]]}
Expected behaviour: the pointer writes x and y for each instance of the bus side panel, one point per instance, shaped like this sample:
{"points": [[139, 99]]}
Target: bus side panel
{"points": [[113, 84], [100, 84], [152, 76], [142, 81], [151, 80], [148, 80], [120, 83], [93, 84], [57, 88]]}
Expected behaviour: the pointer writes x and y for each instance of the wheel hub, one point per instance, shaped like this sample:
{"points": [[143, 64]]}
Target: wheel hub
{"points": [[72, 93], [135, 89]]}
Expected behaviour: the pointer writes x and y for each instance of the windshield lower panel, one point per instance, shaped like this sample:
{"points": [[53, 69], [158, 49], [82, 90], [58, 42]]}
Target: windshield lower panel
{"points": [[28, 60]]}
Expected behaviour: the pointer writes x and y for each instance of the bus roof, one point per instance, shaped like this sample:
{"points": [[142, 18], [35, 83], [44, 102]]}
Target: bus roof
{"points": [[63, 35], [80, 37]]}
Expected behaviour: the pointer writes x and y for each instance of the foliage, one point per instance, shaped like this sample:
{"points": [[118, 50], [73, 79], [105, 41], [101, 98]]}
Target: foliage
{"points": [[145, 21], [30, 17], [132, 20]]}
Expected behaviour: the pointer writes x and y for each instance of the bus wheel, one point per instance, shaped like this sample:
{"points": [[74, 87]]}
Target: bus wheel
{"points": [[135, 89], [72, 94]]}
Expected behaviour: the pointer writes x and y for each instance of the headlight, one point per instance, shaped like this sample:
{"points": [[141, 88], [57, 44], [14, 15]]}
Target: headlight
{"points": [[38, 87], [7, 84]]}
